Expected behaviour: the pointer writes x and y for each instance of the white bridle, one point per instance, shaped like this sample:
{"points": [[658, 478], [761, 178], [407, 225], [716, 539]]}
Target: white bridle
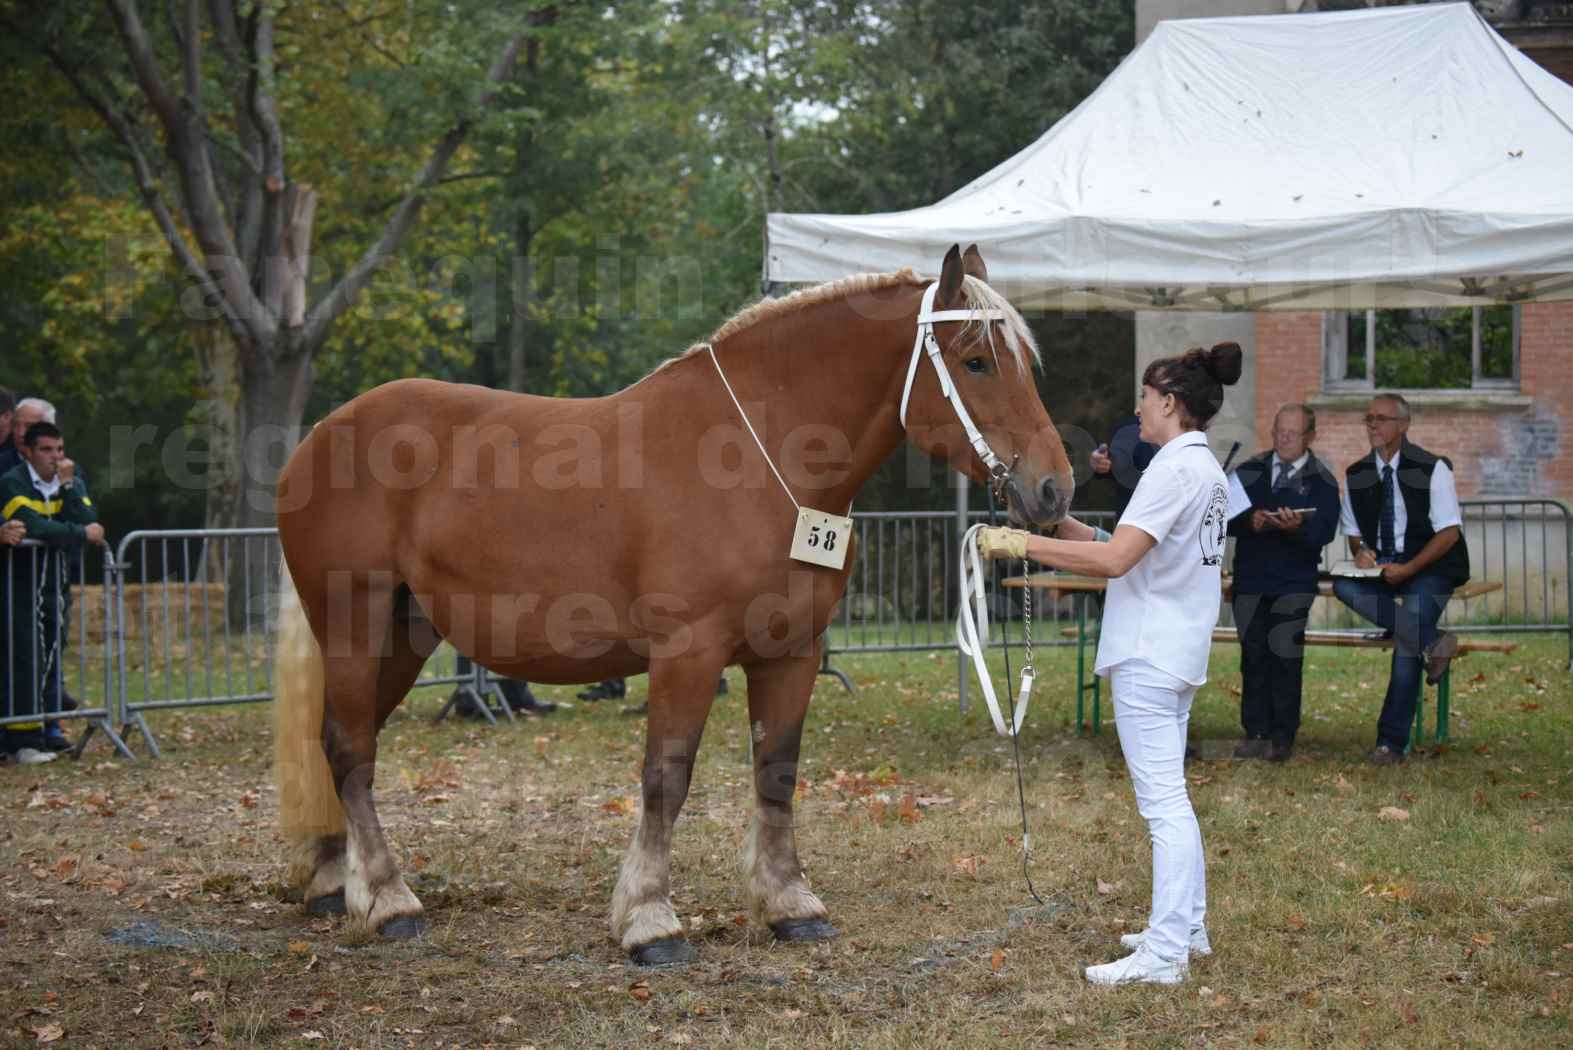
{"points": [[927, 318]]}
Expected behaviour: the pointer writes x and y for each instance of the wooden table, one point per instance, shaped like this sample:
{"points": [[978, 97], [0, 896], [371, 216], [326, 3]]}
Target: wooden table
{"points": [[1081, 588]]}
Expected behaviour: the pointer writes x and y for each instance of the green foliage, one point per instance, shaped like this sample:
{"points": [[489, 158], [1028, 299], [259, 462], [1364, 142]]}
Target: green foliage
{"points": [[625, 172]]}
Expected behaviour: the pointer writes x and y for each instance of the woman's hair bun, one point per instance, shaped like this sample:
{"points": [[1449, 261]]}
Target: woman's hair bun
{"points": [[1224, 362]]}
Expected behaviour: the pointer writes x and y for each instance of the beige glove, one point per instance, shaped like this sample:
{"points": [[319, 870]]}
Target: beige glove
{"points": [[1003, 543]]}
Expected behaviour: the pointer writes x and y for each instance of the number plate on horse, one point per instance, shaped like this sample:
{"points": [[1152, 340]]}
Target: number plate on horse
{"points": [[821, 538]]}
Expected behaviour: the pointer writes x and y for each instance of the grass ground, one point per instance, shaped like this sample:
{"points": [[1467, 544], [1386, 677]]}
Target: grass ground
{"points": [[1424, 905]]}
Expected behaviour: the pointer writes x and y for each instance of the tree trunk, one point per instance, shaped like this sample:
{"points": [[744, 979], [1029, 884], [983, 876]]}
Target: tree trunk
{"points": [[274, 387], [218, 420]]}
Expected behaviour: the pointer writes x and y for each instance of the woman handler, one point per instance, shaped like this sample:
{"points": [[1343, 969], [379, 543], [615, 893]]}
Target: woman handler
{"points": [[1163, 564]]}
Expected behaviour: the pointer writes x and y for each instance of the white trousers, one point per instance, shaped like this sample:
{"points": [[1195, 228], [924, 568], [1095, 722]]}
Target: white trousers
{"points": [[1151, 711]]}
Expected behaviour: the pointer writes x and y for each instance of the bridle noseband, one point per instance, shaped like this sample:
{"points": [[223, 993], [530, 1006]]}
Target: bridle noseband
{"points": [[999, 473]]}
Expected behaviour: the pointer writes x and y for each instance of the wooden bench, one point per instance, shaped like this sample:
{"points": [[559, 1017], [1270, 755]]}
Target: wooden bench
{"points": [[1444, 690], [1081, 588]]}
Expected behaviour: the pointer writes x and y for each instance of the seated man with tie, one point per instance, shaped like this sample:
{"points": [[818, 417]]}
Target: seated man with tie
{"points": [[1403, 497], [1278, 548]]}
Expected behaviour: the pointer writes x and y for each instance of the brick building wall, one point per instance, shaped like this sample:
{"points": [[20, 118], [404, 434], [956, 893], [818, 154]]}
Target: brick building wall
{"points": [[1501, 443]]}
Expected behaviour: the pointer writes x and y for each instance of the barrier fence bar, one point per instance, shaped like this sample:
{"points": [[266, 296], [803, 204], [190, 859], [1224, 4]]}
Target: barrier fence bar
{"points": [[183, 619], [50, 671], [196, 611], [901, 596]]}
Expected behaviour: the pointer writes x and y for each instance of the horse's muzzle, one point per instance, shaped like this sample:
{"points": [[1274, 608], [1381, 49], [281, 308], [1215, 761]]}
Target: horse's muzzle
{"points": [[1039, 504]]}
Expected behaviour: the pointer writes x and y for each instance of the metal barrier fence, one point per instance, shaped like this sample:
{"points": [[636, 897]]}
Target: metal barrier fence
{"points": [[902, 592], [183, 619], [49, 672], [195, 612]]}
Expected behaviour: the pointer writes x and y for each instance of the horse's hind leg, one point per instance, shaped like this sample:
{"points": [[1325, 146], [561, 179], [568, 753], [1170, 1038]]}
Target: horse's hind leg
{"points": [[681, 691], [777, 888], [364, 683]]}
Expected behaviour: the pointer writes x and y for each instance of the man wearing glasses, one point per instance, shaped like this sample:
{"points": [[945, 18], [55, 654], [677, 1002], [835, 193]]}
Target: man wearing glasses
{"points": [[1400, 512], [1292, 515]]}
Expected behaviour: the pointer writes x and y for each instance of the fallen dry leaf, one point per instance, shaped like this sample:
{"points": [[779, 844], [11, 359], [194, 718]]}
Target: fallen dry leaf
{"points": [[640, 990], [1107, 888], [1484, 938], [1392, 813], [997, 963], [48, 1033]]}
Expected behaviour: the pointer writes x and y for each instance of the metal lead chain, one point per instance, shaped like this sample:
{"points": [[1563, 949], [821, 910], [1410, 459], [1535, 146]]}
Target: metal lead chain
{"points": [[1026, 613]]}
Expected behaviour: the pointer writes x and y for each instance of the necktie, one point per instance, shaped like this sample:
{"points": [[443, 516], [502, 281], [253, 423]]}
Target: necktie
{"points": [[1384, 543], [1286, 474]]}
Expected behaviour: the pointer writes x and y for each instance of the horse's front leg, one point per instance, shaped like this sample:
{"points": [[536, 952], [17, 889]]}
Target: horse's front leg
{"points": [[681, 691], [777, 888]]}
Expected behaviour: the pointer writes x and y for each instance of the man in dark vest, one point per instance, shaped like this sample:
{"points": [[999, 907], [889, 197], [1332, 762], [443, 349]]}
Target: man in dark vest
{"points": [[1401, 513], [1293, 514]]}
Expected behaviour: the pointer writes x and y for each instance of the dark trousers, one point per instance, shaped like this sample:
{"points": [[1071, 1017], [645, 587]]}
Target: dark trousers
{"points": [[1272, 662], [1414, 627], [34, 611]]}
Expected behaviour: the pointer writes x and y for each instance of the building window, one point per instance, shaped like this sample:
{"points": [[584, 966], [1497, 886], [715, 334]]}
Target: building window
{"points": [[1421, 349]]}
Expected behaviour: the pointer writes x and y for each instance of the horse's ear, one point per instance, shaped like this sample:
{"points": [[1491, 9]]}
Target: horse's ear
{"points": [[950, 275], [972, 263]]}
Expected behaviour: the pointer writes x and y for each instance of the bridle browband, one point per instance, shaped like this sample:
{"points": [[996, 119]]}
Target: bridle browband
{"points": [[999, 473]]}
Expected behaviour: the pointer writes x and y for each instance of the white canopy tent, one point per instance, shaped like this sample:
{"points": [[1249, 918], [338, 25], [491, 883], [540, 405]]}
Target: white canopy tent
{"points": [[1404, 156]]}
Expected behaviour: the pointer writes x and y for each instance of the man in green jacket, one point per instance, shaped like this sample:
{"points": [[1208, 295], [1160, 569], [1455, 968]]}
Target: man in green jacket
{"points": [[44, 494]]}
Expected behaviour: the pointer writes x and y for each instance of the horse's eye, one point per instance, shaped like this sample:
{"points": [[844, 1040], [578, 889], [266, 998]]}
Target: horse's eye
{"points": [[977, 365]]}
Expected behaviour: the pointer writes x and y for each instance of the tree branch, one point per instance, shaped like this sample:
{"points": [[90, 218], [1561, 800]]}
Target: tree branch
{"points": [[270, 223], [152, 195], [336, 302], [247, 209], [465, 176], [143, 62], [187, 146]]}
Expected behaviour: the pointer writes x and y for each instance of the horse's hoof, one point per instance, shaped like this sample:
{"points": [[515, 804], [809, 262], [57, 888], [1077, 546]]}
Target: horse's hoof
{"points": [[402, 928], [669, 952], [327, 904], [804, 930]]}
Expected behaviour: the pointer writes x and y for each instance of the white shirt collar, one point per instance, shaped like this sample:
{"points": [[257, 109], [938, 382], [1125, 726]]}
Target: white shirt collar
{"points": [[1297, 464], [1189, 437], [47, 488], [1380, 462]]}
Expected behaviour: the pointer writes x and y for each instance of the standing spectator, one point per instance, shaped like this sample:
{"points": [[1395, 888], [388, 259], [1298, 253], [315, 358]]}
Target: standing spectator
{"points": [[9, 457], [516, 691], [53, 506], [1404, 497], [27, 411], [1123, 459], [1278, 549]]}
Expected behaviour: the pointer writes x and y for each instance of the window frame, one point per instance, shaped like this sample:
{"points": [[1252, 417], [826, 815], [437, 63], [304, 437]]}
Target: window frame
{"points": [[1335, 354]]}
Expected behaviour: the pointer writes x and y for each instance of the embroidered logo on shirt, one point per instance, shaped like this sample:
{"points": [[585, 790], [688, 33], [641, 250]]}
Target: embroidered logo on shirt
{"points": [[1215, 525]]}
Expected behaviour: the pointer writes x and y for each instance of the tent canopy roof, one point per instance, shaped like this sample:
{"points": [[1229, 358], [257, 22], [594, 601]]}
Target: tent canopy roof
{"points": [[1404, 156]]}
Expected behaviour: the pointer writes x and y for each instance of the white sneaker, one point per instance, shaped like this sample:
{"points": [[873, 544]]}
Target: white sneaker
{"points": [[1200, 945], [31, 756], [1140, 966]]}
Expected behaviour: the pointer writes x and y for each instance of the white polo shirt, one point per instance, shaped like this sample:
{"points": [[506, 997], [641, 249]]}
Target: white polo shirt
{"points": [[1164, 610]]}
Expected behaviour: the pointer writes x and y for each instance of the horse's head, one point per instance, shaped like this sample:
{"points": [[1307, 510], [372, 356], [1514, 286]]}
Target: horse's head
{"points": [[987, 355]]}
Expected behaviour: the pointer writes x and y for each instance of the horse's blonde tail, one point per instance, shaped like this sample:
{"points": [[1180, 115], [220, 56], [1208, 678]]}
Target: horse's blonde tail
{"points": [[308, 802]]}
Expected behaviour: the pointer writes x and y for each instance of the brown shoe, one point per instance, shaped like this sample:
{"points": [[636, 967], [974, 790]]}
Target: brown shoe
{"points": [[1252, 747], [1386, 756], [1442, 650]]}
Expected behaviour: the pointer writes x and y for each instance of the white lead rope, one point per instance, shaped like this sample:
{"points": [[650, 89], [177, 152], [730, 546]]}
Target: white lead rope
{"points": [[770, 462], [972, 635]]}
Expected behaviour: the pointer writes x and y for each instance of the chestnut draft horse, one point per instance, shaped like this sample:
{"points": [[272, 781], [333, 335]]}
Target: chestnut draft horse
{"points": [[646, 531]]}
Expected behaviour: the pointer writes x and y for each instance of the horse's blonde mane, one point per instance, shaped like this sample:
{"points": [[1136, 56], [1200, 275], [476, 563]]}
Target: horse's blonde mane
{"points": [[769, 309], [977, 294]]}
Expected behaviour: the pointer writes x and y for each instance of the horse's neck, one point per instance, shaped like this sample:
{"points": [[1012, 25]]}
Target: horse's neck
{"points": [[829, 367]]}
